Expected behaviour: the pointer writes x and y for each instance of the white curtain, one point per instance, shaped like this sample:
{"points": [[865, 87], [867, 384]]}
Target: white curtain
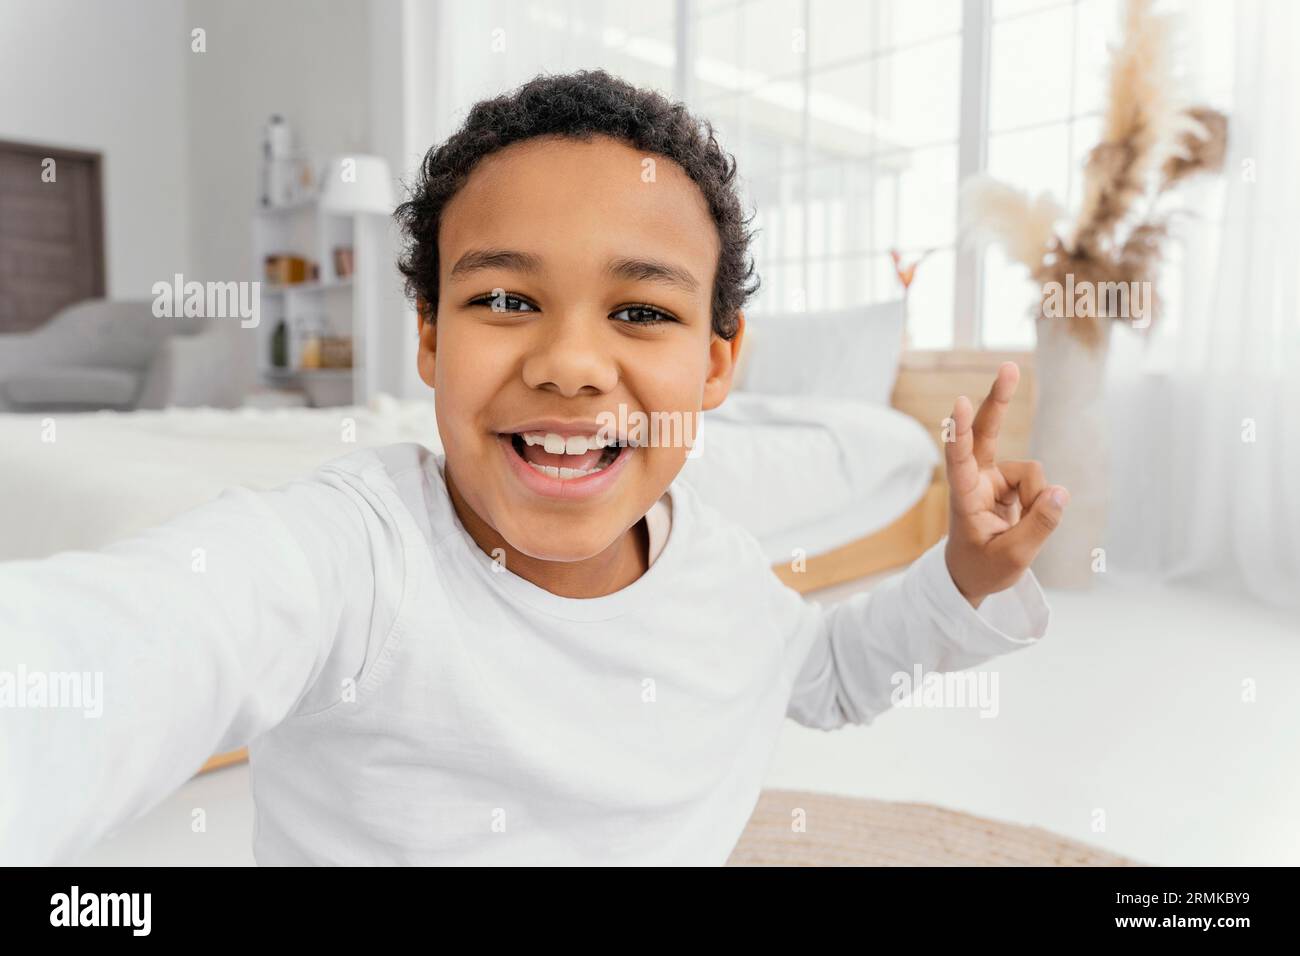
{"points": [[1206, 422]]}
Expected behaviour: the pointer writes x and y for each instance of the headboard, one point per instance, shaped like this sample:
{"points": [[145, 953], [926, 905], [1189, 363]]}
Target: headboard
{"points": [[929, 382]]}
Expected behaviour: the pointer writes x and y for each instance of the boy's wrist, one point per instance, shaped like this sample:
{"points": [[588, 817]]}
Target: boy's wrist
{"points": [[973, 596], [1017, 613]]}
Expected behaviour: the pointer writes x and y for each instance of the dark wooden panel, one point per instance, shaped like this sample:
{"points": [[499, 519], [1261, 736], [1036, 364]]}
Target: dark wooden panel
{"points": [[51, 233]]}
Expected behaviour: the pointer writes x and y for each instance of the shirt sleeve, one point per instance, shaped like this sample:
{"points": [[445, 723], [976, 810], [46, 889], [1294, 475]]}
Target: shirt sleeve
{"points": [[127, 667], [845, 656]]}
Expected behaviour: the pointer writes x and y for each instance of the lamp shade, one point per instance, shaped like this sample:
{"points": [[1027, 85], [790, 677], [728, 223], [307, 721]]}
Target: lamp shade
{"points": [[357, 183]]}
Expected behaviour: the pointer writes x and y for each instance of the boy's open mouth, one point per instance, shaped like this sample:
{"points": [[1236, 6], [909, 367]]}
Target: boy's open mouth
{"points": [[566, 457]]}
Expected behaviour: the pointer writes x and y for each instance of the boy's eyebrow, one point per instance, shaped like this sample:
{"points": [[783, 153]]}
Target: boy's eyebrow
{"points": [[627, 267], [479, 259], [652, 271]]}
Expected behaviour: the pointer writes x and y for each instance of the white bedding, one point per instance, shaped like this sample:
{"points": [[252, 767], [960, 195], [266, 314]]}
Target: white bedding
{"points": [[799, 473]]}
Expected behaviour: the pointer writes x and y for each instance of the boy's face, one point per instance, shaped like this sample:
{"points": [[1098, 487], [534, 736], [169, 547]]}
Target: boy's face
{"points": [[575, 292]]}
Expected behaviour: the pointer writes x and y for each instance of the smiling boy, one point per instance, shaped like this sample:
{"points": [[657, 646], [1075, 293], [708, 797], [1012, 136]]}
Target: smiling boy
{"points": [[538, 647]]}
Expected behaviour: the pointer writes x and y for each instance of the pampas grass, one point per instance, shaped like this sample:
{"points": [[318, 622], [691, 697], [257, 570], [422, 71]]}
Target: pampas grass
{"points": [[1141, 126], [1201, 148], [993, 211], [1151, 141]]}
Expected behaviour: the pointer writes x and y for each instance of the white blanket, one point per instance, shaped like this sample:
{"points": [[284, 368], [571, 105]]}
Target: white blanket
{"points": [[798, 473]]}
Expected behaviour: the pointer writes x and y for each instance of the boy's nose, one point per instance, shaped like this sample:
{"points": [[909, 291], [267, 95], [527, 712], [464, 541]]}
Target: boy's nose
{"points": [[571, 357]]}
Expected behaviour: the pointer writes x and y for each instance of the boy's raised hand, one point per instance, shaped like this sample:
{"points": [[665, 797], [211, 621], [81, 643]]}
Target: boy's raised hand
{"points": [[1000, 512]]}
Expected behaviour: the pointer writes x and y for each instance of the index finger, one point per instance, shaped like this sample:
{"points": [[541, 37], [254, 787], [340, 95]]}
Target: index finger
{"points": [[988, 420]]}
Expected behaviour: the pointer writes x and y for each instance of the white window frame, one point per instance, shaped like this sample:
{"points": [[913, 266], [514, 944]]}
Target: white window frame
{"points": [[972, 139], [972, 159]]}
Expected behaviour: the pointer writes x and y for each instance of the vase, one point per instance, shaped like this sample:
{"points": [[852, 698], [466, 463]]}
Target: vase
{"points": [[1071, 439]]}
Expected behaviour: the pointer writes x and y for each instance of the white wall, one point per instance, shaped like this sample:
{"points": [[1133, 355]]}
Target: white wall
{"points": [[109, 77], [307, 60], [397, 59], [180, 130]]}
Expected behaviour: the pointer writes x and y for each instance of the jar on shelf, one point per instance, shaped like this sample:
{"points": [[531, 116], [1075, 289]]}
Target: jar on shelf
{"points": [[311, 331]]}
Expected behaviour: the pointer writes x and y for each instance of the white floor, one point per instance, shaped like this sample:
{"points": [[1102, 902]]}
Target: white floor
{"points": [[1131, 706]]}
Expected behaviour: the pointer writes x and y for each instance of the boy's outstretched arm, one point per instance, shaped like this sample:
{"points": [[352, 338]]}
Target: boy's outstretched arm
{"points": [[967, 599], [129, 666]]}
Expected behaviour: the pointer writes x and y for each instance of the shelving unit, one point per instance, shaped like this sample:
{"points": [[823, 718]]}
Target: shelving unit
{"points": [[329, 305]]}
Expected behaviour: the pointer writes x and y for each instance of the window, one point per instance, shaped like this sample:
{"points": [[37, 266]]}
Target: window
{"points": [[854, 122], [1047, 95], [844, 117]]}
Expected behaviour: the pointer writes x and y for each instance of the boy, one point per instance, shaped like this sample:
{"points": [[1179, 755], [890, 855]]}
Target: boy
{"points": [[538, 648]]}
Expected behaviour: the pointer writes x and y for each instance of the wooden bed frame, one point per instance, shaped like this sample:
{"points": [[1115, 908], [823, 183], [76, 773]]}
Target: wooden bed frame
{"points": [[928, 383]]}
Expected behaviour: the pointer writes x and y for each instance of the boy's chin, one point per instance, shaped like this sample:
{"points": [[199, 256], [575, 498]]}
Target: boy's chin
{"points": [[547, 542]]}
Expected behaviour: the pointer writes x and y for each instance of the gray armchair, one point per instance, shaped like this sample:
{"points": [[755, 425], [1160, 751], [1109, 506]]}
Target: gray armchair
{"points": [[116, 355]]}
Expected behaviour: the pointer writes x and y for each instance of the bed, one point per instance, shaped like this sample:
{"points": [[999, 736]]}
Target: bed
{"points": [[927, 384], [868, 496], [79, 481]]}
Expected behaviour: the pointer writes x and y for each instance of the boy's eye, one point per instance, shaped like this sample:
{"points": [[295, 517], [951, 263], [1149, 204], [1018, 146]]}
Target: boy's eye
{"points": [[504, 302], [499, 301], [642, 315]]}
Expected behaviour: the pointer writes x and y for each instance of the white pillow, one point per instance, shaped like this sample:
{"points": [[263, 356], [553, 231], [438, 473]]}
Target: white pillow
{"points": [[850, 353]]}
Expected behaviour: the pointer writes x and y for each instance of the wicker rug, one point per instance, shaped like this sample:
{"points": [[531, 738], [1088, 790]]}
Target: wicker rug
{"points": [[848, 831]]}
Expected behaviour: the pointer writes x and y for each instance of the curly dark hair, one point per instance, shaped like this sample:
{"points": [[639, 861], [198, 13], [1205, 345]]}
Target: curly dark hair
{"points": [[581, 105]]}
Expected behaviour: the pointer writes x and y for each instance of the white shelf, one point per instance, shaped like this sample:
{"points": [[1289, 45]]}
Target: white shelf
{"points": [[291, 375], [331, 304], [307, 287], [299, 205]]}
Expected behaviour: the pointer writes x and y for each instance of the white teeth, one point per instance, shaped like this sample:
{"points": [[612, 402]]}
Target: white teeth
{"points": [[564, 474], [567, 445], [573, 445]]}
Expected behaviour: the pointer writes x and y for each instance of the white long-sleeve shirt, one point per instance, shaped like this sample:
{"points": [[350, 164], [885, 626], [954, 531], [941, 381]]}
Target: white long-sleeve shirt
{"points": [[408, 700]]}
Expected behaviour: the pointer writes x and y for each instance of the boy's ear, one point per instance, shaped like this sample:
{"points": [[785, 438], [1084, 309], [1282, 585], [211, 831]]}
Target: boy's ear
{"points": [[723, 357], [425, 361]]}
